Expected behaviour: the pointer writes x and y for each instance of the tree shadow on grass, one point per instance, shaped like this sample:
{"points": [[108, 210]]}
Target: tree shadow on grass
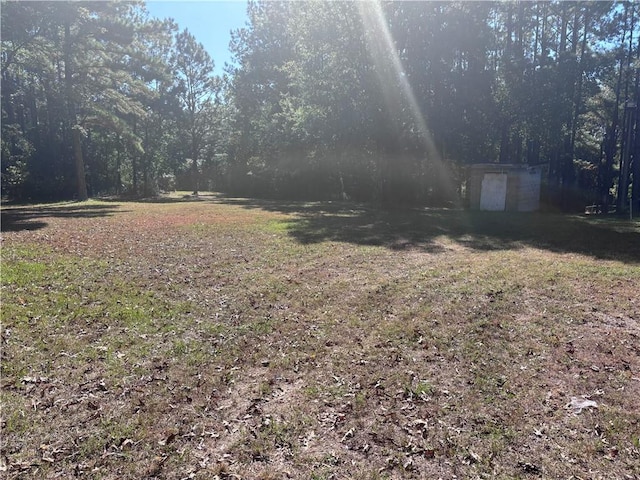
{"points": [[164, 198], [20, 218], [423, 229]]}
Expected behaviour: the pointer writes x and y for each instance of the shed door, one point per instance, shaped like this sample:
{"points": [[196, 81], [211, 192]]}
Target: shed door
{"points": [[493, 195]]}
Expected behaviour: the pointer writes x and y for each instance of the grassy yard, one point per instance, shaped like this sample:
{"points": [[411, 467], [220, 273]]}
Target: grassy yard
{"points": [[235, 338]]}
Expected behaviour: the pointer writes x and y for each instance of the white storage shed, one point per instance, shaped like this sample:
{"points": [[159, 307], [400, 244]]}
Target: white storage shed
{"points": [[500, 187]]}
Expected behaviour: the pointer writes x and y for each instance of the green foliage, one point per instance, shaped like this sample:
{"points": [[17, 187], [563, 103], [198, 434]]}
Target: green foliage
{"points": [[96, 71], [196, 89], [384, 101], [16, 154]]}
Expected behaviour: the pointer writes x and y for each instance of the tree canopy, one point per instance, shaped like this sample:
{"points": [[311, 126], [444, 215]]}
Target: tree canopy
{"points": [[374, 101]]}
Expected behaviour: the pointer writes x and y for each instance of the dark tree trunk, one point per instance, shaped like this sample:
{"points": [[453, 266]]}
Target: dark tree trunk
{"points": [[76, 133], [635, 153], [118, 165], [195, 152], [612, 132], [196, 175], [628, 121]]}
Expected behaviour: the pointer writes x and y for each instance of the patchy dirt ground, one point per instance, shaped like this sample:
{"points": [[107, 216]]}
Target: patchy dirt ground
{"points": [[234, 338]]}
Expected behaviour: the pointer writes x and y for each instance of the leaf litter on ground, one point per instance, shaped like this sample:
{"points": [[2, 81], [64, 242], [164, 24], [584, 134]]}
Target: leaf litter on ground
{"points": [[210, 341]]}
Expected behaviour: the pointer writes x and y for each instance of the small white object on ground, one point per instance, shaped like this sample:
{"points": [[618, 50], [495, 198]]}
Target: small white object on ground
{"points": [[577, 404]]}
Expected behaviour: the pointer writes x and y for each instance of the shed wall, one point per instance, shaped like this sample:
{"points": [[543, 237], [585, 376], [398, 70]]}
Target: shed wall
{"points": [[529, 191], [523, 186]]}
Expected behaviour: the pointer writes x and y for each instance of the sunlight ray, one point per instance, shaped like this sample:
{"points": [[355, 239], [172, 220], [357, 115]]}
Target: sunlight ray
{"points": [[382, 46]]}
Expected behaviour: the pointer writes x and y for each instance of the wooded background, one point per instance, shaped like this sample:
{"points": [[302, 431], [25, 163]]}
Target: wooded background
{"points": [[370, 101]]}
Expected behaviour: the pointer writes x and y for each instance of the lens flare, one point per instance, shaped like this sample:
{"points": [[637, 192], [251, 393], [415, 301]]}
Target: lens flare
{"points": [[391, 72]]}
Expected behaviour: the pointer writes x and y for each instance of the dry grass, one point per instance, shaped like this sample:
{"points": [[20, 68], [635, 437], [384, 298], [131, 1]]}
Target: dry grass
{"points": [[221, 338]]}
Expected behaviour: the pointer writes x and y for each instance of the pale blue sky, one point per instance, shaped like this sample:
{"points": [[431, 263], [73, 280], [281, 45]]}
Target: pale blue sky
{"points": [[209, 21]]}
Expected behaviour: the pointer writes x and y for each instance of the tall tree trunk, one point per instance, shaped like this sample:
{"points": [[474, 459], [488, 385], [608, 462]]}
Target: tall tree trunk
{"points": [[566, 63], [76, 132], [509, 27], [628, 121], [625, 156], [635, 165], [569, 176], [635, 169], [536, 36], [504, 144], [118, 165], [195, 151], [543, 34], [577, 104], [563, 29], [196, 175], [134, 163], [35, 124], [519, 30], [145, 161], [612, 131]]}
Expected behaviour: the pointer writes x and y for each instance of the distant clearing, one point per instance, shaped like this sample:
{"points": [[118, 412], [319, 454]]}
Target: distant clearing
{"points": [[237, 338]]}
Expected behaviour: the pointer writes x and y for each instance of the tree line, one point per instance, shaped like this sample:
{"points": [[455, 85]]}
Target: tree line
{"points": [[373, 101]]}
